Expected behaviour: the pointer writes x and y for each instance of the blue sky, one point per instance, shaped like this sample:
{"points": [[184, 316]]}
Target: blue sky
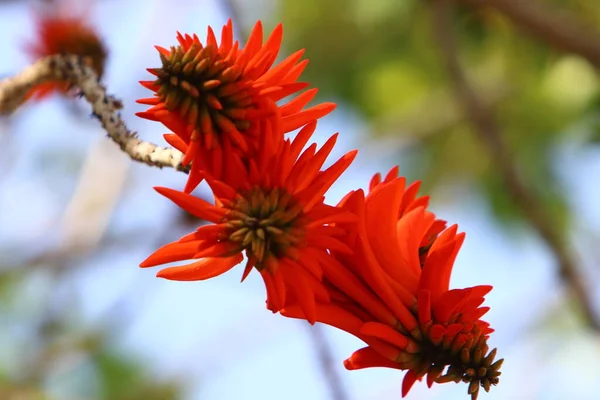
{"points": [[217, 336]]}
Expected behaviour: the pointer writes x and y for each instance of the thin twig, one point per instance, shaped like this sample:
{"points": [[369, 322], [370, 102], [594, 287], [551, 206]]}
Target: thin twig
{"points": [[327, 364], [558, 29], [14, 91], [489, 133]]}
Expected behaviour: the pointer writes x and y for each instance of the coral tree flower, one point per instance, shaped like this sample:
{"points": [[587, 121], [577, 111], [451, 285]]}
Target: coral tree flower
{"points": [[219, 98], [59, 30], [273, 213], [393, 292]]}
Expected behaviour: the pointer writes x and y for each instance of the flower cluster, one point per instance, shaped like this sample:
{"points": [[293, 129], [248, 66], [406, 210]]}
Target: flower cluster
{"points": [[393, 291], [220, 99], [60, 30], [377, 266], [271, 210]]}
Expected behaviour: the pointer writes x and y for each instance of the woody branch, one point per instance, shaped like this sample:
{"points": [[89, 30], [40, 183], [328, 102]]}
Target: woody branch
{"points": [[73, 69], [558, 29], [489, 133]]}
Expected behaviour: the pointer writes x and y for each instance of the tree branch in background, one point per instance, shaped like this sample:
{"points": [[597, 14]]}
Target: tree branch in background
{"points": [[558, 29], [326, 362], [486, 128], [14, 91]]}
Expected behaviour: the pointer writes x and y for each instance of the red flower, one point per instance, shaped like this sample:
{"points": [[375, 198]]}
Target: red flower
{"points": [[218, 99], [393, 292], [273, 212], [59, 31]]}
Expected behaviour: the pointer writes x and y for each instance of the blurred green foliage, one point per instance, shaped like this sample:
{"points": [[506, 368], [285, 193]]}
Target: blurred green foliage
{"points": [[124, 378], [380, 58]]}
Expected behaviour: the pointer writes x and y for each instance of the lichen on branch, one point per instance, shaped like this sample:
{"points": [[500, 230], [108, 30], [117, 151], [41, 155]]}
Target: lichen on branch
{"points": [[15, 90]]}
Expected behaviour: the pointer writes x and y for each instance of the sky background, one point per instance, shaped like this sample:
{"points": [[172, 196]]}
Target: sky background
{"points": [[217, 336]]}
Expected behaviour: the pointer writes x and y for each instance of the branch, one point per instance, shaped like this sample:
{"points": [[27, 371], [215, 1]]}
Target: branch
{"points": [[558, 29], [14, 91], [325, 358], [489, 133]]}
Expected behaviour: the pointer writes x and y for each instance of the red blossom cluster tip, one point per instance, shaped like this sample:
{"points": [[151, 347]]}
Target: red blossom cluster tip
{"points": [[273, 213], [393, 291], [59, 30], [376, 266], [218, 99]]}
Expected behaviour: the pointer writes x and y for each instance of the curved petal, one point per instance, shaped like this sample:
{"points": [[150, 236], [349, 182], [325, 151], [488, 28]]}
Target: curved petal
{"points": [[369, 358], [434, 277], [193, 205], [381, 218], [409, 380], [176, 251], [200, 270]]}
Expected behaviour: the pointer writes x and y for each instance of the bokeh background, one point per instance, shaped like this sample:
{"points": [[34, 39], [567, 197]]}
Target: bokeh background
{"points": [[495, 112]]}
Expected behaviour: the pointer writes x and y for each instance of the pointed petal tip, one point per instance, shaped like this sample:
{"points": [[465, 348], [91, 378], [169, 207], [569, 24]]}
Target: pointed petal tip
{"points": [[146, 263], [407, 383], [162, 50], [348, 364], [486, 289], [299, 52], [351, 154], [146, 115], [162, 190], [160, 274]]}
